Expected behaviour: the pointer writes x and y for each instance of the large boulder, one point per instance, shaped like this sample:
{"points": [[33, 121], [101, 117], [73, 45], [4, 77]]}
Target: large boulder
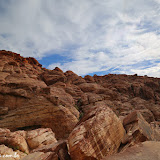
{"points": [[141, 130], [98, 134]]}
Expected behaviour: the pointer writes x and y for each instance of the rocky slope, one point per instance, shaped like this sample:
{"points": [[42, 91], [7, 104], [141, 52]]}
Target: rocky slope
{"points": [[49, 114]]}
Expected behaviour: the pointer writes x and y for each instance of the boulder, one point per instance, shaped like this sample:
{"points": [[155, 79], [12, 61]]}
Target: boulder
{"points": [[140, 128], [13, 140], [8, 154], [98, 134], [40, 137]]}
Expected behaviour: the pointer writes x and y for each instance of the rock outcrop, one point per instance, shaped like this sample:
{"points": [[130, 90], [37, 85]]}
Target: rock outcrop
{"points": [[40, 113], [98, 134], [43, 111], [140, 129]]}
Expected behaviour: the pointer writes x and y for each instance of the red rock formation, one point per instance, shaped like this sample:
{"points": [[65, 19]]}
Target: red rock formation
{"points": [[140, 129], [98, 134], [32, 97]]}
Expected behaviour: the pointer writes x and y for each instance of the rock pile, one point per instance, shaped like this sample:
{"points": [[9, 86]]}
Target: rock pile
{"points": [[52, 115]]}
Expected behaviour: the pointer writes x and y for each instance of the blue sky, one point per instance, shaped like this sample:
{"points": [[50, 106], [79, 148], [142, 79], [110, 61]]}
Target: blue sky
{"points": [[85, 36]]}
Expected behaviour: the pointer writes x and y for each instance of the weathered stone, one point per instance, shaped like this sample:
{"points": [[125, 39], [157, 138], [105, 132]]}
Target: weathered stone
{"points": [[40, 137], [73, 78], [60, 148], [41, 156], [8, 154], [140, 129], [3, 110], [13, 140], [41, 113], [148, 150], [98, 134], [51, 77], [59, 96], [89, 79]]}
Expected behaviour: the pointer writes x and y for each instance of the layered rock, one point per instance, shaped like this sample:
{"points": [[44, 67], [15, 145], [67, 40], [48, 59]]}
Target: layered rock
{"points": [[33, 97], [140, 129], [40, 137], [98, 134], [40, 113], [59, 148]]}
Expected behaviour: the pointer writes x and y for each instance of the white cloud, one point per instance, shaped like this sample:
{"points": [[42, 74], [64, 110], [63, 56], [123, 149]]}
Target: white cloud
{"points": [[95, 35], [152, 71]]}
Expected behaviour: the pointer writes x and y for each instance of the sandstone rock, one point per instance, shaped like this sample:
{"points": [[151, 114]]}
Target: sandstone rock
{"points": [[60, 148], [8, 154], [40, 113], [40, 137], [74, 91], [19, 81], [147, 115], [32, 104], [41, 156], [140, 129], [90, 87], [12, 102], [59, 96], [13, 140], [3, 110], [98, 134], [93, 97], [73, 78], [146, 151], [51, 77], [89, 79], [59, 85]]}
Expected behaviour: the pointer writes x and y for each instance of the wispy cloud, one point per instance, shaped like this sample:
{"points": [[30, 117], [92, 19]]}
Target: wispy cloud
{"points": [[94, 36]]}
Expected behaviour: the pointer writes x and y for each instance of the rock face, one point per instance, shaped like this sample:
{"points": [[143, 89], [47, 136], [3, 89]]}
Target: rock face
{"points": [[99, 133], [41, 108], [43, 114], [146, 151]]}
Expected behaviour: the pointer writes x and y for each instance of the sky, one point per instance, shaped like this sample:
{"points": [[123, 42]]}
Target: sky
{"points": [[85, 36]]}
